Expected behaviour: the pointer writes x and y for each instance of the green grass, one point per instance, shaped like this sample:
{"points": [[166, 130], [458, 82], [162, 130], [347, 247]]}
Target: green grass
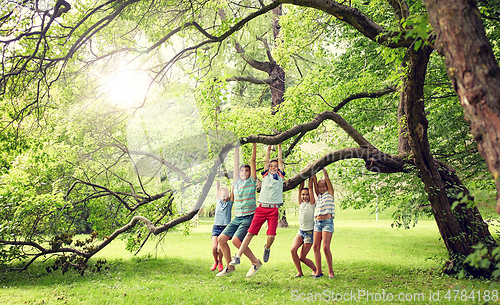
{"points": [[368, 256]]}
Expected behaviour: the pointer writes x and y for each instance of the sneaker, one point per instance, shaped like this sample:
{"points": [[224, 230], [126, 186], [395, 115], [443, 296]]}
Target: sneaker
{"points": [[254, 269], [235, 261], [220, 267], [225, 271], [267, 251], [214, 266], [318, 276]]}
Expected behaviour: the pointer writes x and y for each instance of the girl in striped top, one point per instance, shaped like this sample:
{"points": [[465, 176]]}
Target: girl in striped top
{"points": [[323, 225]]}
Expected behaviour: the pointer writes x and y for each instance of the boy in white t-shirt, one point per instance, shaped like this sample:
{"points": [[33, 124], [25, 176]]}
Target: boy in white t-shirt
{"points": [[270, 199], [304, 237]]}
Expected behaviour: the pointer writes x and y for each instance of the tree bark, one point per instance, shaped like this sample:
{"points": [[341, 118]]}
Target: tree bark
{"points": [[462, 227], [474, 72]]}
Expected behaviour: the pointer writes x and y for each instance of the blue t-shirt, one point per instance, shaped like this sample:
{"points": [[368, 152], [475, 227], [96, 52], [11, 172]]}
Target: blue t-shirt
{"points": [[223, 212]]}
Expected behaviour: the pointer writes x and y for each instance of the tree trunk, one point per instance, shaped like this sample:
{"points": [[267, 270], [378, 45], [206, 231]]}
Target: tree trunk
{"points": [[473, 70], [283, 223], [462, 227]]}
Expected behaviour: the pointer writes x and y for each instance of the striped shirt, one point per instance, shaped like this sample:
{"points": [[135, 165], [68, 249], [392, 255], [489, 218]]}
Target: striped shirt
{"points": [[325, 205], [244, 197]]}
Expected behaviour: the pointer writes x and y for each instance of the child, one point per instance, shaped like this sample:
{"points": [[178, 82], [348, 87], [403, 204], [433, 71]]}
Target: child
{"points": [[243, 196], [222, 218], [323, 226], [304, 237], [270, 198]]}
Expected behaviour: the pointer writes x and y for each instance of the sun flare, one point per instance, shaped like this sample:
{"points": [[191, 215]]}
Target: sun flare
{"points": [[126, 86]]}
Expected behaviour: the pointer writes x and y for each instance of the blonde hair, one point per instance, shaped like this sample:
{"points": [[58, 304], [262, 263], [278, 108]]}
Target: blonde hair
{"points": [[223, 189]]}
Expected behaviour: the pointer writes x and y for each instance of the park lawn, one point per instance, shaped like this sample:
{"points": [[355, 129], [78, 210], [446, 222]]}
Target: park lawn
{"points": [[372, 262]]}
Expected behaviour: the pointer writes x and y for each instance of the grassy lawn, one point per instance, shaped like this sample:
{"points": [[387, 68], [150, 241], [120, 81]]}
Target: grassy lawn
{"points": [[372, 262]]}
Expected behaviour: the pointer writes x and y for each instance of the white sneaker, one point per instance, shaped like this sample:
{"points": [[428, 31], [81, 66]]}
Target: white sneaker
{"points": [[254, 269], [235, 261], [226, 271]]}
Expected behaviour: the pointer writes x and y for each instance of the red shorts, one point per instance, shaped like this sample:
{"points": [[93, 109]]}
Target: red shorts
{"points": [[260, 216]]}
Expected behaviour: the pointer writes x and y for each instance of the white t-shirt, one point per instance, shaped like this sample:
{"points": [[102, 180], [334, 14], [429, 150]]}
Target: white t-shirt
{"points": [[306, 216]]}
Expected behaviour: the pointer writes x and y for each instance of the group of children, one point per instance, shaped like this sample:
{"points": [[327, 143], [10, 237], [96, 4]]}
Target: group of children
{"points": [[315, 217]]}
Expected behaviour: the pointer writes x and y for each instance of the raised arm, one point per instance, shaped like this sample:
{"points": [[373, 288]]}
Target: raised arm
{"points": [[236, 168], [253, 167], [328, 182], [301, 186], [268, 158], [315, 181], [236, 171], [310, 184], [217, 184], [280, 158]]}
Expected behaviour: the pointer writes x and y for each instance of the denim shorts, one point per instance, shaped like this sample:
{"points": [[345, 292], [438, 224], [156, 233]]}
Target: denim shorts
{"points": [[307, 236], [217, 230], [325, 225], [238, 227]]}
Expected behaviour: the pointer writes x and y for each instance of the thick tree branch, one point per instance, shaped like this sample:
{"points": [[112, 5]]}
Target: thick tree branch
{"points": [[325, 115], [375, 161], [358, 20]]}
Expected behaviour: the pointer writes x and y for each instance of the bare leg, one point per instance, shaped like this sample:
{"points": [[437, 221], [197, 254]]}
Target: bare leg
{"points": [[248, 253], [244, 245], [226, 251], [219, 252], [327, 239], [270, 241], [215, 240], [303, 256], [297, 242], [317, 251]]}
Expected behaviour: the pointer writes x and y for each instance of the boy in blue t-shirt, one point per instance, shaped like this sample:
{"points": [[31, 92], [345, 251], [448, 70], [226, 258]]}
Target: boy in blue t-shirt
{"points": [[222, 218]]}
